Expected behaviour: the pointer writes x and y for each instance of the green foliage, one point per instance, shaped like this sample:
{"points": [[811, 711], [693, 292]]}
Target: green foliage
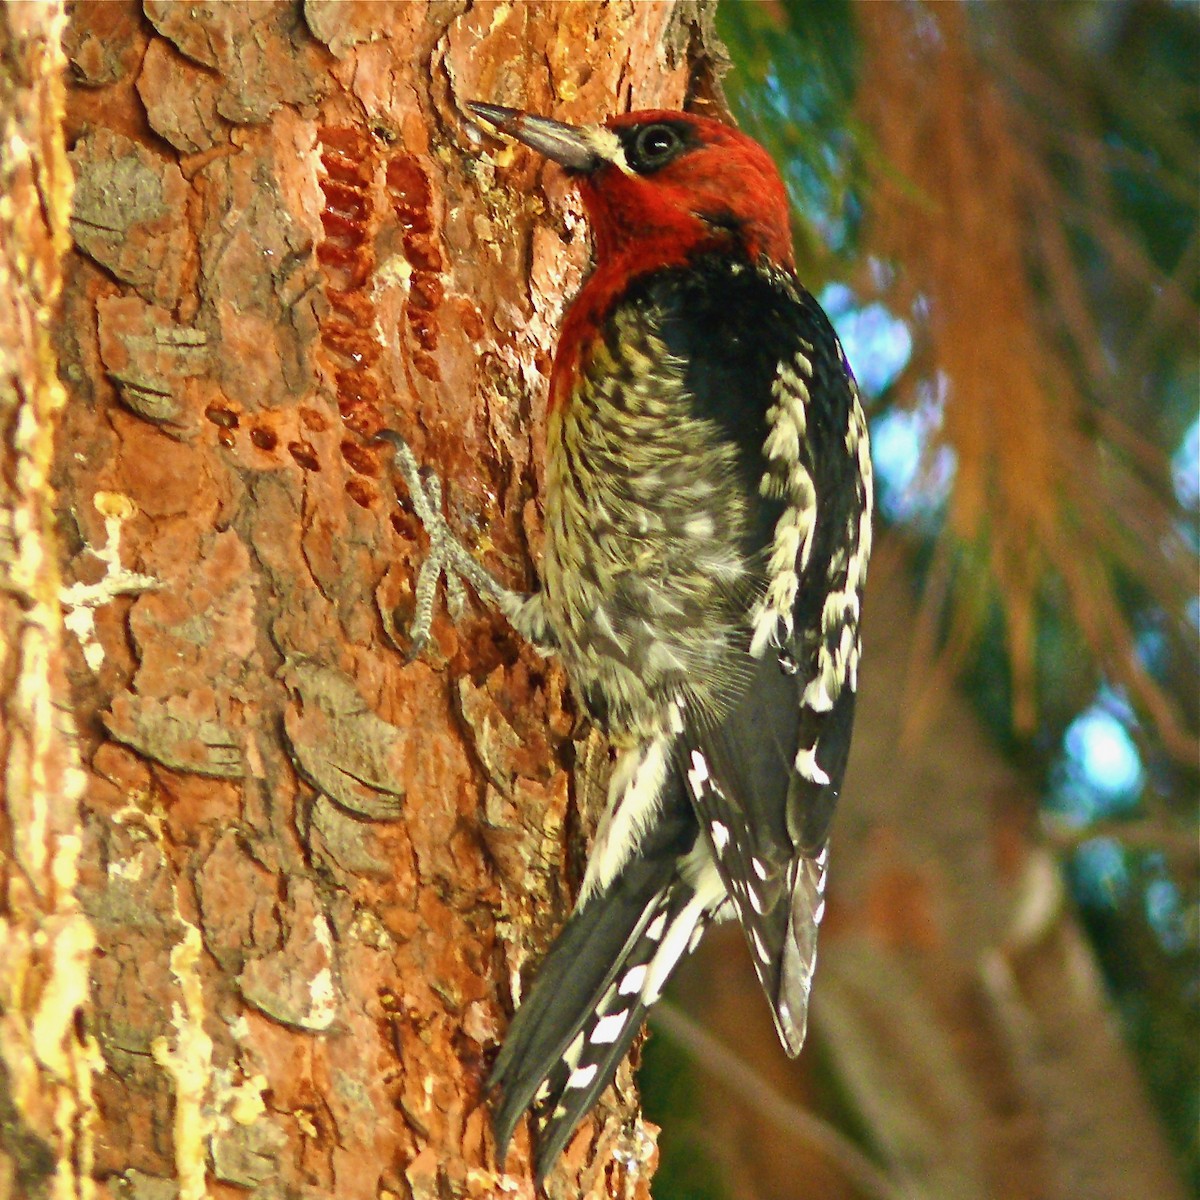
{"points": [[670, 1086], [792, 89]]}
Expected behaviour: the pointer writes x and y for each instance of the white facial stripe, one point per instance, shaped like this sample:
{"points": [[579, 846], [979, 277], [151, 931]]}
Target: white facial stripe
{"points": [[607, 145]]}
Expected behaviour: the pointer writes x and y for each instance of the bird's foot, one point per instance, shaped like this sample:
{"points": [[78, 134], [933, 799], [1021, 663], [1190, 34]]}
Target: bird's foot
{"points": [[447, 558]]}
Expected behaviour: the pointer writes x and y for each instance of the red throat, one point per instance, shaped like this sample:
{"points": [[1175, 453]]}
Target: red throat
{"points": [[724, 195]]}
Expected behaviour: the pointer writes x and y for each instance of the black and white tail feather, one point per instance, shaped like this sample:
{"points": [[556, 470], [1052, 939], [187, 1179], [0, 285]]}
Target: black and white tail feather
{"points": [[645, 904], [607, 967]]}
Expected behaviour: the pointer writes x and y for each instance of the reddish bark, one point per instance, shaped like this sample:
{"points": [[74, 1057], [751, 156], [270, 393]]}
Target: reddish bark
{"points": [[313, 867]]}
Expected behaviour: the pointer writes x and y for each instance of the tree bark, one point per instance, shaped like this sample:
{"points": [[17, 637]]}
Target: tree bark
{"points": [[313, 868], [47, 1106]]}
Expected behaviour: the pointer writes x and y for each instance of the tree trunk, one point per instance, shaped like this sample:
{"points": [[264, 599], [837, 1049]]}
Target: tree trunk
{"points": [[46, 1103], [312, 867]]}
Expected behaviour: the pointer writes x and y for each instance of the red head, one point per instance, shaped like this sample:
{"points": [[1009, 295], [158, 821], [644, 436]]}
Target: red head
{"points": [[659, 186]]}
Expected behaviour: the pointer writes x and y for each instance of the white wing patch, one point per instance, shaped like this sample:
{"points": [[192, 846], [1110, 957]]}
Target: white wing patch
{"points": [[698, 870], [787, 476], [840, 645]]}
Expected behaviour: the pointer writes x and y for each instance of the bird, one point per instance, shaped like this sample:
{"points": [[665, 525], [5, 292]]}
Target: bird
{"points": [[708, 516]]}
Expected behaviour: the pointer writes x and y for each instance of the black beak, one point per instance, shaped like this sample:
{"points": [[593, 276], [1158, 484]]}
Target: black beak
{"points": [[564, 144]]}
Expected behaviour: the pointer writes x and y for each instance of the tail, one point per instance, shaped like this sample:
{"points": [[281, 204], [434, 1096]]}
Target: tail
{"points": [[608, 966]]}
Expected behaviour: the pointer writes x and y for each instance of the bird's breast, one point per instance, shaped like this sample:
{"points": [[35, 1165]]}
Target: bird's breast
{"points": [[645, 568]]}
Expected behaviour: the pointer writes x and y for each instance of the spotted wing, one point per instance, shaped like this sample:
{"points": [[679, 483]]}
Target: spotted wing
{"points": [[764, 777]]}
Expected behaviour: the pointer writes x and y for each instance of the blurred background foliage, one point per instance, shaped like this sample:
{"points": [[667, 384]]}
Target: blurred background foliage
{"points": [[997, 205]]}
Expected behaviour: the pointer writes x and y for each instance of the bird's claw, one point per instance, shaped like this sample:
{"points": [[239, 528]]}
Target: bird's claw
{"points": [[447, 557]]}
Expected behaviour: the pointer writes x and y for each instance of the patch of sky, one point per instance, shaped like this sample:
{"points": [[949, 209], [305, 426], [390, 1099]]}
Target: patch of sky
{"points": [[1166, 914], [1186, 478], [877, 343], [1185, 468], [1151, 646], [896, 453], [913, 472], [1099, 773], [1100, 873], [1105, 754]]}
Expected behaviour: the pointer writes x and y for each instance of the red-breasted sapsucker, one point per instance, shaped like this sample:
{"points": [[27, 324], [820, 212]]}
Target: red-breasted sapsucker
{"points": [[708, 524]]}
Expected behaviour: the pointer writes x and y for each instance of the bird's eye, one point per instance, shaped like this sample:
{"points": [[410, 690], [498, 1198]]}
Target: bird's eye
{"points": [[654, 147]]}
